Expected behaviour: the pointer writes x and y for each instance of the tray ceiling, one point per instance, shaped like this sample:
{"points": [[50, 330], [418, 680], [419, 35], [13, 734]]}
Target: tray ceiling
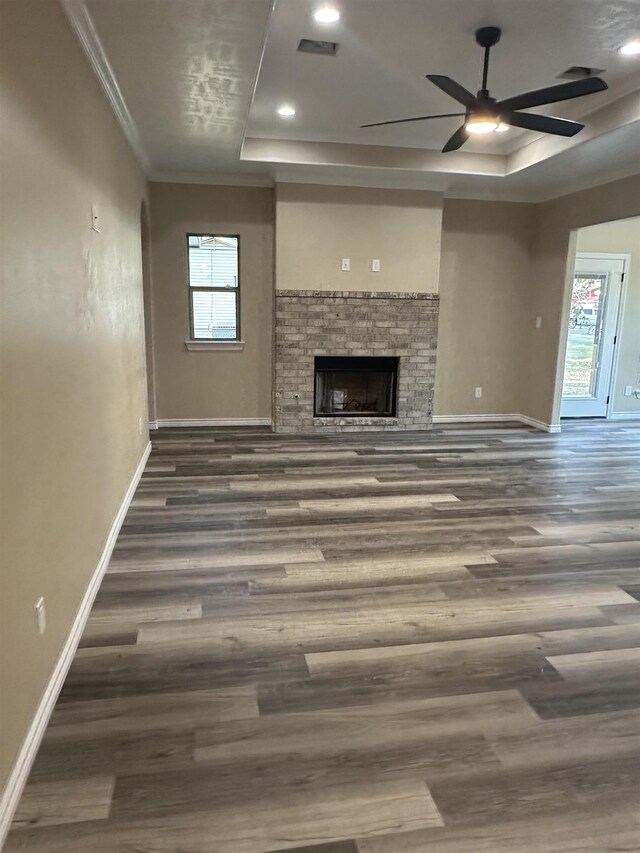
{"points": [[201, 81]]}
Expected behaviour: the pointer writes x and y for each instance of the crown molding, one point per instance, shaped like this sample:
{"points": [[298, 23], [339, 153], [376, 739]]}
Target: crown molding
{"points": [[84, 28], [207, 178], [335, 177], [489, 195]]}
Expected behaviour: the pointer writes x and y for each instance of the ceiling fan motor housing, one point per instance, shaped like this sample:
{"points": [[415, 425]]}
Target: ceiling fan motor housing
{"points": [[488, 36]]}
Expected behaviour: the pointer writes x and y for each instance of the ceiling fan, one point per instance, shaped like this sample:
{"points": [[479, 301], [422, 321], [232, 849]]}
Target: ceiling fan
{"points": [[484, 114]]}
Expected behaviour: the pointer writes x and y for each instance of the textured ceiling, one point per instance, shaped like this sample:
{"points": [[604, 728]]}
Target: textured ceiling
{"points": [[202, 94], [387, 47], [186, 69]]}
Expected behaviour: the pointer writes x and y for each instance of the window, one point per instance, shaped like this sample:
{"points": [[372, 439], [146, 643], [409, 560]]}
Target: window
{"points": [[214, 287]]}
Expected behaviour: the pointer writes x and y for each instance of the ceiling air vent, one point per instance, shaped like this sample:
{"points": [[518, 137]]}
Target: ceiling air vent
{"points": [[323, 48], [579, 72]]}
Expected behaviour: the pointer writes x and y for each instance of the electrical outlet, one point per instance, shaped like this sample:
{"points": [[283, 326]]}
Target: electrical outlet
{"points": [[375, 265], [478, 391], [346, 265], [41, 615], [628, 390]]}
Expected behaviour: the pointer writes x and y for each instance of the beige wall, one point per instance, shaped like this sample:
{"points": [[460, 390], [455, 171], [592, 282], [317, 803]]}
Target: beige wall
{"points": [[317, 226], [204, 385], [622, 237], [73, 371], [502, 266], [555, 222], [484, 307], [499, 266]]}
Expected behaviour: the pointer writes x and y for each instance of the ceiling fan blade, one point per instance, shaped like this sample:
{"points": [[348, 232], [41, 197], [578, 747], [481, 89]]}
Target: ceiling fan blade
{"points": [[453, 89], [543, 124], [553, 94], [457, 140], [417, 118]]}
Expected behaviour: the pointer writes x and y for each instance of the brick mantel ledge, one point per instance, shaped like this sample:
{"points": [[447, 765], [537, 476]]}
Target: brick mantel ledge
{"points": [[356, 294]]}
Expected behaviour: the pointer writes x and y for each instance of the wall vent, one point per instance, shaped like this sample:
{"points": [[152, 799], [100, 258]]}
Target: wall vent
{"points": [[323, 48], [579, 72]]}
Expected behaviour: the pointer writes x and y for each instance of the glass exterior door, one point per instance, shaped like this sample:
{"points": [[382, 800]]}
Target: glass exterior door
{"points": [[593, 317]]}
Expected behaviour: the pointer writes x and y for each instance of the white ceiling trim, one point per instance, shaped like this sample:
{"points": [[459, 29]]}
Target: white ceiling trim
{"points": [[613, 115], [333, 177], [338, 154], [430, 183], [206, 178], [590, 183], [83, 26], [256, 76], [280, 152], [460, 195]]}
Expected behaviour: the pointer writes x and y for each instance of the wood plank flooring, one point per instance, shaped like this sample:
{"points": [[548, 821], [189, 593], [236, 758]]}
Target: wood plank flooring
{"points": [[367, 643]]}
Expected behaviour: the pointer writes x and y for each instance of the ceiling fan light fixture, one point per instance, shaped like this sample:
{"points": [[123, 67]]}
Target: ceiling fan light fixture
{"points": [[482, 124], [631, 48], [484, 114], [326, 15]]}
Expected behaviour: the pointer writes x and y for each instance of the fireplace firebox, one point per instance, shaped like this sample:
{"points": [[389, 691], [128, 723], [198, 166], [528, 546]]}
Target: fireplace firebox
{"points": [[355, 386]]}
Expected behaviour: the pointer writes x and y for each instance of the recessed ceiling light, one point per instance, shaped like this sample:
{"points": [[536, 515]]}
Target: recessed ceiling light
{"points": [[326, 15], [286, 111], [631, 48], [502, 128], [481, 124]]}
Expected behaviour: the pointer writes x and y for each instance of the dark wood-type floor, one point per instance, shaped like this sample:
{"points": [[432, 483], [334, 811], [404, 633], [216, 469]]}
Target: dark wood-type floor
{"points": [[418, 643]]}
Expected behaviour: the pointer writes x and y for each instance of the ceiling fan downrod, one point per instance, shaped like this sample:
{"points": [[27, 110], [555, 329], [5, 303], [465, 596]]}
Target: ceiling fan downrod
{"points": [[486, 37]]}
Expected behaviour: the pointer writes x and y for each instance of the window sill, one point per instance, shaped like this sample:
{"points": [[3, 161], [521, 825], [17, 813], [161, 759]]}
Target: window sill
{"points": [[229, 346]]}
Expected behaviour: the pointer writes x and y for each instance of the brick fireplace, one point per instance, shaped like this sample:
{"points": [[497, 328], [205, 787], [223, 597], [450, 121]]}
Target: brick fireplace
{"points": [[373, 354]]}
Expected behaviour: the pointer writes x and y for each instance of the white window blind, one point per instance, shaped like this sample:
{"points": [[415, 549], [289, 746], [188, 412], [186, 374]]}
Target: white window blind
{"points": [[214, 315], [214, 265], [213, 282]]}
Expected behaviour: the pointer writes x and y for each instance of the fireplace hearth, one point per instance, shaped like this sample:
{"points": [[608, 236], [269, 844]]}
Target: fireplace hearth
{"points": [[355, 386]]}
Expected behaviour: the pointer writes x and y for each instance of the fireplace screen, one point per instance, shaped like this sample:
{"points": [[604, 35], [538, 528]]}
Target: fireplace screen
{"points": [[348, 386]]}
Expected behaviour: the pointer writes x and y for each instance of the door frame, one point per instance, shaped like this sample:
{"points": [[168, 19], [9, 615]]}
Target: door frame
{"points": [[625, 257]]}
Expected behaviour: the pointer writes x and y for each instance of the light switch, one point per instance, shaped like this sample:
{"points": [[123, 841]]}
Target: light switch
{"points": [[375, 265], [346, 264], [627, 390], [538, 322]]}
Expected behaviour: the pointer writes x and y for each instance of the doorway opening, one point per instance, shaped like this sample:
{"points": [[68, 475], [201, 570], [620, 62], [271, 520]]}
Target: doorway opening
{"points": [[599, 349]]}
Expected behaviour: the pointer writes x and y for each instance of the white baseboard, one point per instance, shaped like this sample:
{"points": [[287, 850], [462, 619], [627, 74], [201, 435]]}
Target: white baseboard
{"points": [[22, 766], [623, 416], [504, 418], [541, 425], [474, 419], [210, 422]]}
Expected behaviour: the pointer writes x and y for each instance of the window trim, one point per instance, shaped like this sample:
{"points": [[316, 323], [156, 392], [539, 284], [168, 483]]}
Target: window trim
{"points": [[215, 341], [203, 344]]}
